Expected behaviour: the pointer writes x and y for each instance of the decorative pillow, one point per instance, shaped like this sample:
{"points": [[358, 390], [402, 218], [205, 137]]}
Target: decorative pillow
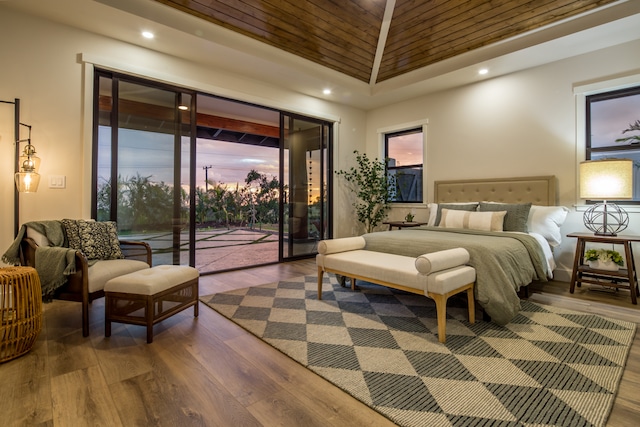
{"points": [[472, 206], [486, 221], [546, 221], [99, 239], [73, 235], [517, 214]]}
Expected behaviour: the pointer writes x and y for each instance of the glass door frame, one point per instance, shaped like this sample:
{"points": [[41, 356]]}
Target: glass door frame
{"points": [[326, 185]]}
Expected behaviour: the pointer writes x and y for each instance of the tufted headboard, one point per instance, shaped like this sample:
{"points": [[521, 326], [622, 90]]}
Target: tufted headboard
{"points": [[539, 190]]}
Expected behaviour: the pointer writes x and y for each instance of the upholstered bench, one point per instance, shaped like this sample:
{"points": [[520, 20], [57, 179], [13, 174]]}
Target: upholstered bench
{"points": [[149, 296], [437, 275]]}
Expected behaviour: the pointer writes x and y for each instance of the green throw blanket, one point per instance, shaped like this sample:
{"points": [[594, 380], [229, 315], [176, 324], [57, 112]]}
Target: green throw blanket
{"points": [[503, 261], [53, 263]]}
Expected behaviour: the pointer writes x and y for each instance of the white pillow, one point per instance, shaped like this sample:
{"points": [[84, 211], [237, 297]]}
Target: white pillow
{"points": [[433, 211], [546, 221], [486, 221]]}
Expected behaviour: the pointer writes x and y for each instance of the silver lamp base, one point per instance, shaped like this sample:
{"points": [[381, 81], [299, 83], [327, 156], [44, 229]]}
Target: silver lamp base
{"points": [[606, 219]]}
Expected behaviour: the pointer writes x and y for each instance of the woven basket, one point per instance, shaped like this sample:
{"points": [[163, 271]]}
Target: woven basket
{"points": [[20, 311]]}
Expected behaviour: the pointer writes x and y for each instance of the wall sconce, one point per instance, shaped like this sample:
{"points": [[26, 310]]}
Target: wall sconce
{"points": [[27, 177], [26, 166], [607, 179]]}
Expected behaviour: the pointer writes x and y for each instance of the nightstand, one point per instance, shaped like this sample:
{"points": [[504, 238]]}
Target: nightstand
{"points": [[624, 278], [403, 224]]}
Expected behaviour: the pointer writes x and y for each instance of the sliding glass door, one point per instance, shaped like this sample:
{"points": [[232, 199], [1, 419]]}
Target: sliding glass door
{"points": [[206, 181], [304, 165], [142, 177]]}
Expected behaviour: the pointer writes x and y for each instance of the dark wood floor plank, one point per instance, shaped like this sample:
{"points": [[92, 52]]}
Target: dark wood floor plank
{"points": [[82, 398], [25, 388], [247, 383], [205, 395]]}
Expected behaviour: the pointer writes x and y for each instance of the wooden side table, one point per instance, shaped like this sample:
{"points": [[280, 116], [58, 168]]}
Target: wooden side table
{"points": [[403, 224], [624, 278]]}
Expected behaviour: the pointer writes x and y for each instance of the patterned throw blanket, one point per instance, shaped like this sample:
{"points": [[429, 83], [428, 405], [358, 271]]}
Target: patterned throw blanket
{"points": [[53, 263], [503, 261]]}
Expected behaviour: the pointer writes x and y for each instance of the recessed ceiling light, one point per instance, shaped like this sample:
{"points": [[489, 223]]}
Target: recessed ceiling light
{"points": [[147, 34], [327, 91], [483, 71], [183, 107]]}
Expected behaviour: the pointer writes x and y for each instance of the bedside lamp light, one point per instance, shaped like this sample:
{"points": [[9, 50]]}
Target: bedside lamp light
{"points": [[608, 179]]}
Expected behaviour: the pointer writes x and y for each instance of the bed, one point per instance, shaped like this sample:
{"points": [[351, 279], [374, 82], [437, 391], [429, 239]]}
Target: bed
{"points": [[509, 226]]}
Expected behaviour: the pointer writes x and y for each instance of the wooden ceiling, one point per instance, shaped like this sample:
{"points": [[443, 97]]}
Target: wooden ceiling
{"points": [[361, 39]]}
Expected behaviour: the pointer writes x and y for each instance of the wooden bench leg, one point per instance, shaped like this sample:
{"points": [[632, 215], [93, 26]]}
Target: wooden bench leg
{"points": [[107, 320], [320, 273], [149, 314], [472, 306], [441, 312], [441, 309]]}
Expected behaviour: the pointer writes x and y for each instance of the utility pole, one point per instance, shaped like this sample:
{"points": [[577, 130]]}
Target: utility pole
{"points": [[206, 177]]}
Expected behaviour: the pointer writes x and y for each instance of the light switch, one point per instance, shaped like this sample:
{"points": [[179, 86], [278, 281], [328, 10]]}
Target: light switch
{"points": [[57, 181]]}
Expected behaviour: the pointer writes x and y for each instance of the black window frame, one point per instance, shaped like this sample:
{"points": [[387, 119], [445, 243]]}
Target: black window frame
{"points": [[392, 134], [618, 147]]}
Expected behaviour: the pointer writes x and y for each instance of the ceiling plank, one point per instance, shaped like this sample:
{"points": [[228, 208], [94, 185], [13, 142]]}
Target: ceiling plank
{"points": [[345, 35], [441, 29], [341, 36]]}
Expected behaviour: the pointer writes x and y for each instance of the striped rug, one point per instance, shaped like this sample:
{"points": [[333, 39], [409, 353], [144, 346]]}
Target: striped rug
{"points": [[550, 366]]}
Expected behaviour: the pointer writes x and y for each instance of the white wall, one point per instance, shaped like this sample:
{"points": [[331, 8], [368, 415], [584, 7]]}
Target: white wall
{"points": [[522, 124], [42, 64]]}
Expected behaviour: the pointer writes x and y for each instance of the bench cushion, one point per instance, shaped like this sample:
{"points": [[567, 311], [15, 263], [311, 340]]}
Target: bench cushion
{"points": [[442, 260], [344, 244], [446, 281], [401, 270], [379, 265], [104, 270], [152, 280]]}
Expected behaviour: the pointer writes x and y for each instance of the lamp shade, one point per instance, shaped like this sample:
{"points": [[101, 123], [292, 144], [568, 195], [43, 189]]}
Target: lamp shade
{"points": [[27, 182], [608, 179]]}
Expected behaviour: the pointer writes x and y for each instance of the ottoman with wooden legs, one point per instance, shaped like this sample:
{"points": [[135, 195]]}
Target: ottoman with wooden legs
{"points": [[149, 296]]}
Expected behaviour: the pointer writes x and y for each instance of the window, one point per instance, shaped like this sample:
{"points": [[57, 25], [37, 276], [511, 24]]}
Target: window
{"points": [[613, 129], [404, 153]]}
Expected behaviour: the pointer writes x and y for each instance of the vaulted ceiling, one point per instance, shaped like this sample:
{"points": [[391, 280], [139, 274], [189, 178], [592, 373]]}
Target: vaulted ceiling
{"points": [[370, 53], [376, 40]]}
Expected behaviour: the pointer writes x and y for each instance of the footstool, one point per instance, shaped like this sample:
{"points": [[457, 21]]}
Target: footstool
{"points": [[148, 296]]}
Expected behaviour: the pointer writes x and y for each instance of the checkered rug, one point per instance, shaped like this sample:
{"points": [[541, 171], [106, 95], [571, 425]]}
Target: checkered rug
{"points": [[549, 366]]}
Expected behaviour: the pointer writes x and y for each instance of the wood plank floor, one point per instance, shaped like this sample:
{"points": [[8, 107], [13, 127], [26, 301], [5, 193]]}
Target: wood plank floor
{"points": [[210, 372]]}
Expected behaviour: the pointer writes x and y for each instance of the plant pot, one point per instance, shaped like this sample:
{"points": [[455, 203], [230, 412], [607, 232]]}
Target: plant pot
{"points": [[604, 265]]}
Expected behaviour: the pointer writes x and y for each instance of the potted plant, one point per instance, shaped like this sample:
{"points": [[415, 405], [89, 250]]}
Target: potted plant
{"points": [[409, 217], [603, 259], [373, 189]]}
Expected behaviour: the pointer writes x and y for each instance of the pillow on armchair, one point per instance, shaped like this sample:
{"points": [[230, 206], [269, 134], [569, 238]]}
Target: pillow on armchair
{"points": [[96, 239]]}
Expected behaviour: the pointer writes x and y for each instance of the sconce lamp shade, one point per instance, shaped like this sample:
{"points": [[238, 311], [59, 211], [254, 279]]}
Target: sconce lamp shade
{"points": [[28, 179], [32, 161], [27, 182], [608, 179]]}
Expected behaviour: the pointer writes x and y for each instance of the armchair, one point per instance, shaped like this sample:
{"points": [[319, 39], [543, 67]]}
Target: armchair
{"points": [[87, 282]]}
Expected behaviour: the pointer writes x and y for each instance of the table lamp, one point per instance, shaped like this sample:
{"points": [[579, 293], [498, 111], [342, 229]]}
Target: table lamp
{"points": [[607, 179]]}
